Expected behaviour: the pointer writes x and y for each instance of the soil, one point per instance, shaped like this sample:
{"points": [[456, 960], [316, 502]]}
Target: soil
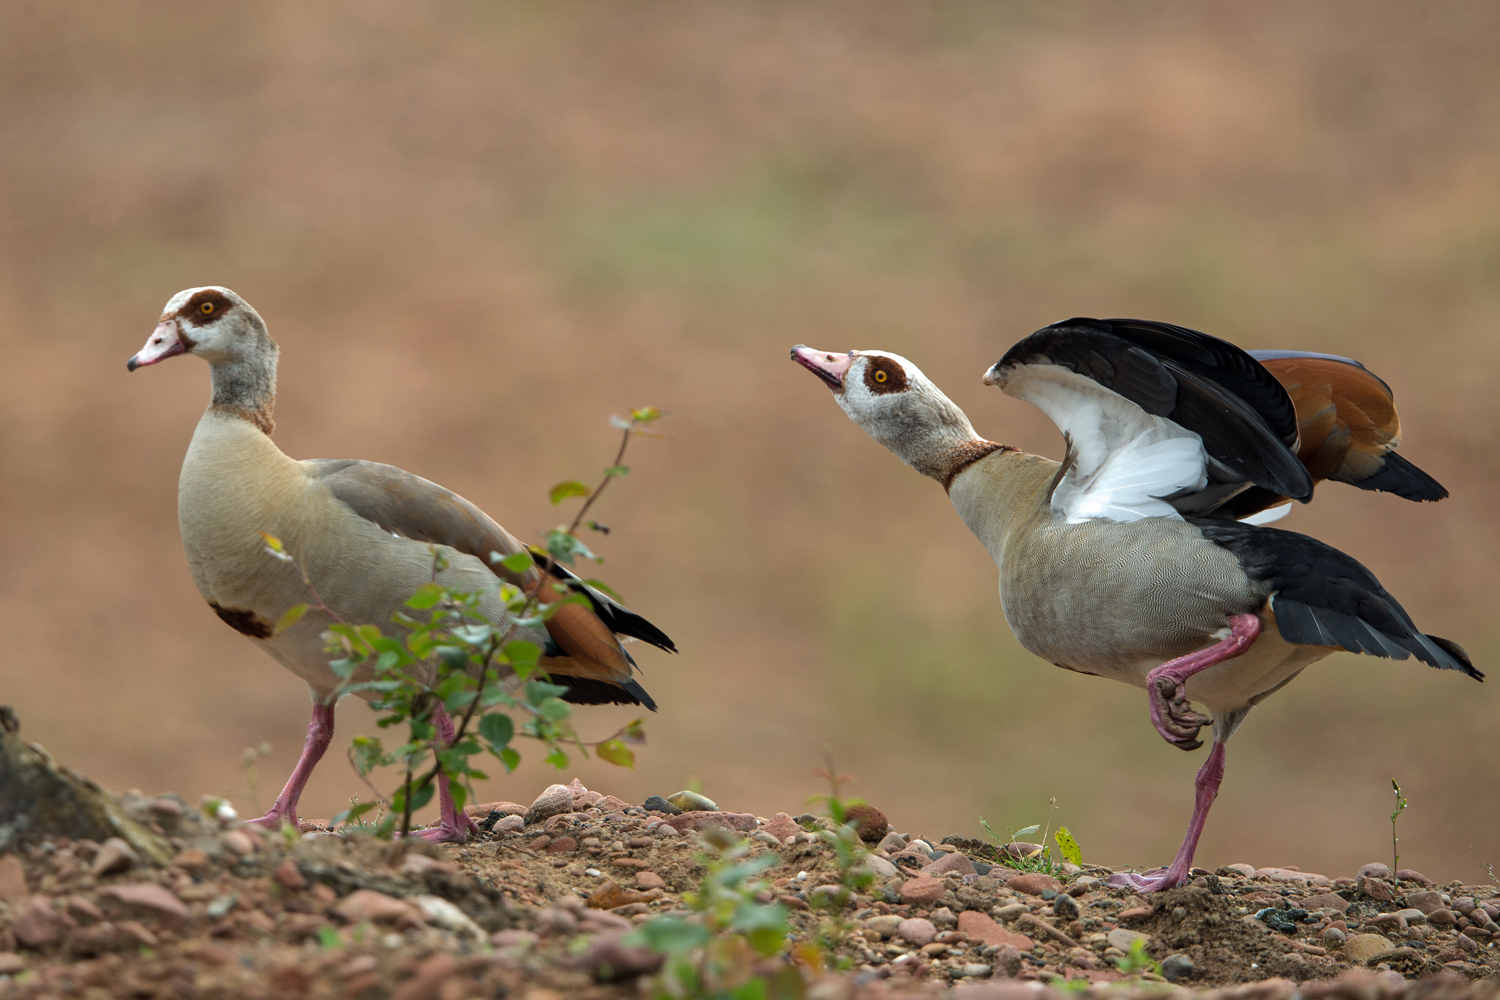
{"points": [[538, 912]]}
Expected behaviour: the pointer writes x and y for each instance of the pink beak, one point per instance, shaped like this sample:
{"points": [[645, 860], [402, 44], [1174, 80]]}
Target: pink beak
{"points": [[165, 342], [831, 368]]}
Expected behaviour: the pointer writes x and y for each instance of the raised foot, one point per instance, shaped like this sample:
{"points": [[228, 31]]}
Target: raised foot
{"points": [[1173, 714], [1156, 881]]}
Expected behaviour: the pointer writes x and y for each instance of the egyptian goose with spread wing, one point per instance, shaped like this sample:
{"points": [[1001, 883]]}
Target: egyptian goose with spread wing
{"points": [[360, 530], [1130, 558]]}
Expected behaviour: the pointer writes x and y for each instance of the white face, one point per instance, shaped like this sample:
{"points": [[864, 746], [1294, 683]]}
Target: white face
{"points": [[890, 398], [211, 322]]}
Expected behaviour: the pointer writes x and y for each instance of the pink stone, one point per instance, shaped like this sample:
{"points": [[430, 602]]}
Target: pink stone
{"points": [[288, 876], [649, 880], [483, 810], [610, 804], [950, 864], [922, 889], [695, 821], [916, 931], [10, 963], [782, 826], [554, 800], [367, 904], [980, 927], [1034, 884], [150, 897], [239, 842], [12, 877], [38, 925]]}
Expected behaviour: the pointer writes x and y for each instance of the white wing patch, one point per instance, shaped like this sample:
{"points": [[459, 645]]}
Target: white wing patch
{"points": [[1268, 515], [1124, 459]]}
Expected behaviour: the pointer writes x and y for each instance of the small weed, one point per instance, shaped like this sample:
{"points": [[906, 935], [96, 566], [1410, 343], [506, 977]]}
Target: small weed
{"points": [[1489, 869], [1136, 960], [711, 952], [1400, 808], [1039, 860], [849, 853], [250, 759]]}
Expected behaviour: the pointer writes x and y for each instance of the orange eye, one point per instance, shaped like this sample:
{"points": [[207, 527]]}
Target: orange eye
{"points": [[880, 376], [206, 308]]}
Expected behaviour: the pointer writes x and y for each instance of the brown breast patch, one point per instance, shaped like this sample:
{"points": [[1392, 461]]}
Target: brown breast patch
{"points": [[244, 622]]}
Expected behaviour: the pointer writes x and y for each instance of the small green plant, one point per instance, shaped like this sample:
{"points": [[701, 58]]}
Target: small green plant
{"points": [[711, 952], [1400, 808], [1136, 959], [1039, 860], [475, 668], [250, 759], [1489, 869], [849, 854]]}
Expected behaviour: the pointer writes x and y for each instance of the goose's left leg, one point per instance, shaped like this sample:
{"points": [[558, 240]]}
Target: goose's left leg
{"points": [[1171, 712], [453, 826], [1210, 776]]}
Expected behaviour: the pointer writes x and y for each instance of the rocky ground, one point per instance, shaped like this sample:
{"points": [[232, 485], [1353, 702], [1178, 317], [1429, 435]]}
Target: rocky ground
{"points": [[538, 907]]}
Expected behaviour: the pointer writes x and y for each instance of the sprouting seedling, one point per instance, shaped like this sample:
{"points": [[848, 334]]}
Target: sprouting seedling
{"points": [[250, 759], [1137, 960], [1489, 869], [1400, 808]]}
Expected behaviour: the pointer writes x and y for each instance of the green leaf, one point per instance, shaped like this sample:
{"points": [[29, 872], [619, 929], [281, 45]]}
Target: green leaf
{"points": [[571, 488], [555, 709], [497, 729], [672, 934], [458, 701], [420, 797], [606, 588], [329, 938], [617, 470], [1068, 846], [353, 813], [539, 691], [516, 562], [522, 651], [293, 616], [646, 414], [510, 758], [557, 758], [426, 596], [616, 752], [1033, 828], [459, 793]]}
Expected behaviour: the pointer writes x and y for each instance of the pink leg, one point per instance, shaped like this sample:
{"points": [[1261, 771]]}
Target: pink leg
{"points": [[319, 735], [453, 826], [1171, 712], [1210, 776]]}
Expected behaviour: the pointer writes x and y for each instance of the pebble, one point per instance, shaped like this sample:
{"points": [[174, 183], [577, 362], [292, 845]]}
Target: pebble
{"points": [[690, 801], [11, 963], [38, 924], [367, 904], [781, 826], [975, 970], [943, 917], [1374, 870], [1375, 889], [871, 822], [649, 880], [1442, 918], [699, 819], [1427, 902], [1360, 948], [582, 797], [554, 801], [512, 939], [193, 860], [916, 931], [951, 864], [1175, 967], [1409, 875], [1326, 901], [919, 845], [237, 841], [114, 855], [608, 957], [885, 925], [288, 876], [881, 868], [12, 878], [559, 845], [510, 824], [1067, 908], [149, 896], [1334, 936], [444, 914], [1032, 884], [1122, 938], [1083, 884], [891, 843], [978, 926], [1467, 943], [657, 804], [921, 890]]}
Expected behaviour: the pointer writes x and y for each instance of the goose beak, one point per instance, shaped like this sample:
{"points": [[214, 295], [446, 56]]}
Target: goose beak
{"points": [[992, 376], [165, 342], [831, 368]]}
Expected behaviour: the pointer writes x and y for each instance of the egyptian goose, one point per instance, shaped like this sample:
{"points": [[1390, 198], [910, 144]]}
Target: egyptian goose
{"points": [[1127, 559], [360, 530]]}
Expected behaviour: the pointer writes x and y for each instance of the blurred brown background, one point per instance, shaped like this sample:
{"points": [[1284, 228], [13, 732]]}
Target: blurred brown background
{"points": [[477, 229]]}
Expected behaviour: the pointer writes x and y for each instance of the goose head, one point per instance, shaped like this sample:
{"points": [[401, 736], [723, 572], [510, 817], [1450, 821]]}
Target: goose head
{"points": [[896, 404], [211, 322]]}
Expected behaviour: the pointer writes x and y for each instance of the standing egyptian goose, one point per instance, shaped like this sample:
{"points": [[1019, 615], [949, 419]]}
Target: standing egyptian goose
{"points": [[1127, 560], [360, 530]]}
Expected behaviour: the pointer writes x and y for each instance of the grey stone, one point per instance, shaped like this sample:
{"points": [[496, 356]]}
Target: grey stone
{"points": [[884, 925], [1334, 936], [975, 970], [1175, 967], [943, 917], [1066, 907], [1083, 884], [690, 801], [1442, 918], [892, 843], [554, 801], [1122, 938], [658, 804]]}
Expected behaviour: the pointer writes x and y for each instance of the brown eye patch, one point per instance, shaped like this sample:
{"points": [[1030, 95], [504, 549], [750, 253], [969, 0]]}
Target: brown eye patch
{"points": [[205, 307], [883, 375]]}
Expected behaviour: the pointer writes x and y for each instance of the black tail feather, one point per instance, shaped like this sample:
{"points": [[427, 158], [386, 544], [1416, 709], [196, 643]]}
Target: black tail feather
{"points": [[1400, 477], [590, 691]]}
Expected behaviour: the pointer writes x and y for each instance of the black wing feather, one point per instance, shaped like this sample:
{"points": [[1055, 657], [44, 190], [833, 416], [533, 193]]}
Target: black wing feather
{"points": [[1324, 597], [620, 619], [1204, 384]]}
